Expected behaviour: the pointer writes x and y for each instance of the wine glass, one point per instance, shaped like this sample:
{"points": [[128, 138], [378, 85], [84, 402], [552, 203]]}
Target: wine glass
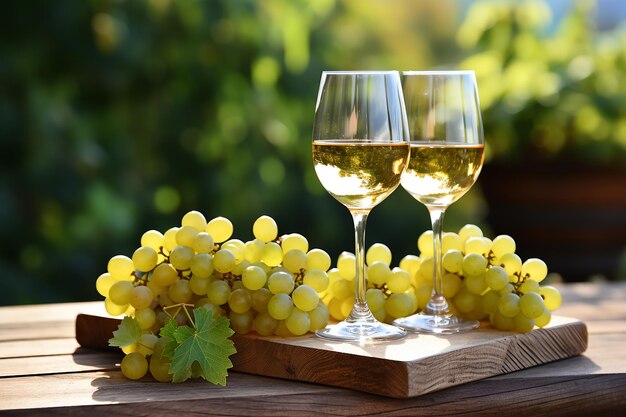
{"points": [[447, 153], [360, 149]]}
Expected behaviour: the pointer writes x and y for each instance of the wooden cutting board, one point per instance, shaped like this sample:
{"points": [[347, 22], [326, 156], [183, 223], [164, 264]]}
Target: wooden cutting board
{"points": [[410, 367]]}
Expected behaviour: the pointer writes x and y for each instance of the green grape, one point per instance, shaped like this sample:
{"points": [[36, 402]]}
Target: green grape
{"points": [[121, 267], [318, 317], [511, 263], [398, 305], [129, 348], [179, 291], [452, 260], [186, 235], [134, 366], [531, 305], [424, 293], [551, 296], [543, 320], [398, 280], [346, 264], [534, 268], [413, 297], [375, 299], [141, 297], [378, 252], [113, 308], [264, 324], [145, 259], [294, 241], [502, 322], [241, 323], [181, 257], [316, 279], [237, 285], [160, 369], [410, 263], [523, 324], [199, 285], [425, 244], [203, 243], [378, 273], [272, 254], [164, 275], [240, 267], [156, 289], [479, 245], [121, 292], [194, 219], [265, 229], [496, 278], [235, 248], [451, 241], [145, 344], [260, 298], [529, 285], [503, 244], [380, 315], [252, 250], [169, 239], [317, 259], [334, 309], [224, 261], [425, 271], [465, 301], [282, 330], [298, 322], [474, 264], [215, 310], [240, 301], [152, 239], [468, 231], [201, 265], [508, 305], [280, 306], [280, 282], [165, 300], [489, 301], [104, 283], [253, 277], [508, 288], [305, 298], [294, 261], [451, 285], [218, 292], [342, 289], [220, 228]]}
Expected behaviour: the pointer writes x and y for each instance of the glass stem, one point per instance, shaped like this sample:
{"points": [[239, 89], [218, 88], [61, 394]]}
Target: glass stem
{"points": [[437, 304], [361, 310]]}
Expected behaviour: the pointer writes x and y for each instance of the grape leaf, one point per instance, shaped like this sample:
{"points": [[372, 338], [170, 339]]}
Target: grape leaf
{"points": [[167, 332], [208, 345], [127, 333]]}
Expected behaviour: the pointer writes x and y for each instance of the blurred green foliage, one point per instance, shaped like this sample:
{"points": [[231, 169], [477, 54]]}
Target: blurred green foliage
{"points": [[119, 116]]}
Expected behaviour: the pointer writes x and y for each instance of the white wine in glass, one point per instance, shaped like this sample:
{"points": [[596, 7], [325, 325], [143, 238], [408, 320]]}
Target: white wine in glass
{"points": [[447, 153], [360, 150]]}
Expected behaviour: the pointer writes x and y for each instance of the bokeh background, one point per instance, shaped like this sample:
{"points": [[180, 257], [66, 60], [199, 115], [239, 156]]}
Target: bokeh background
{"points": [[119, 116]]}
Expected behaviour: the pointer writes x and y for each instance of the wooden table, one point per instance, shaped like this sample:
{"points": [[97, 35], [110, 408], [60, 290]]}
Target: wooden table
{"points": [[44, 372]]}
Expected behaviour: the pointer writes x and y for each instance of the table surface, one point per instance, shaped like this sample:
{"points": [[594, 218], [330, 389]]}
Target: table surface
{"points": [[43, 371]]}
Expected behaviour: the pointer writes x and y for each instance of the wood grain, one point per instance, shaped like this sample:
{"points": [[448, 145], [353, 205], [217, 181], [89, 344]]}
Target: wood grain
{"points": [[410, 367]]}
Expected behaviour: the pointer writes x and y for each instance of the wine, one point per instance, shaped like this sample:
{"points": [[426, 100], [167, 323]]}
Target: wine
{"points": [[359, 173], [439, 173]]}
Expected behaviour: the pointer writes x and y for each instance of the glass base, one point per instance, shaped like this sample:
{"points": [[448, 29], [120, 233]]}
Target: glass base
{"points": [[437, 324], [361, 331]]}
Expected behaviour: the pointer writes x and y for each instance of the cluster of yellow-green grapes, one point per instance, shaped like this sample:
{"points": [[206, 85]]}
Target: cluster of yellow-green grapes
{"points": [[482, 279], [269, 284]]}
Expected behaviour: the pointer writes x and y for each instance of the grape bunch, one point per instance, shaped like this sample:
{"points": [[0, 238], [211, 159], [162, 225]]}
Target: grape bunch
{"points": [[486, 279], [482, 279], [269, 284]]}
